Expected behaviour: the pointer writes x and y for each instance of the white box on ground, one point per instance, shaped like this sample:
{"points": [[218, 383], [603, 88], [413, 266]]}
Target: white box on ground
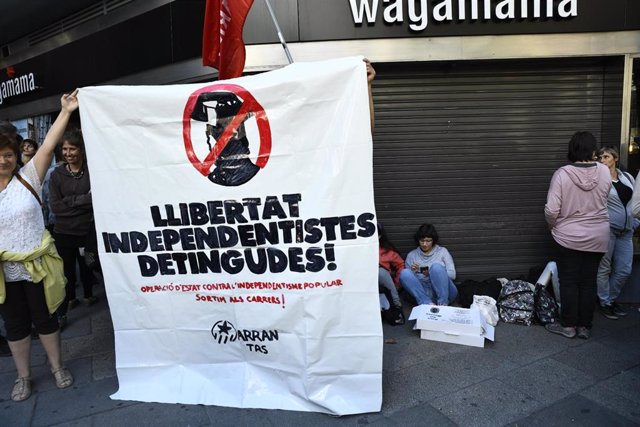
{"points": [[455, 325], [453, 338]]}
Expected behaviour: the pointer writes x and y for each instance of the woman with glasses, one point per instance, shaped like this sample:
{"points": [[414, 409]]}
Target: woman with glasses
{"points": [[431, 271], [31, 276]]}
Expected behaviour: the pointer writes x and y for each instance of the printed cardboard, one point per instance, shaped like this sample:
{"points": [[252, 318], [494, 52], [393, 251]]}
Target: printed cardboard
{"points": [[455, 325]]}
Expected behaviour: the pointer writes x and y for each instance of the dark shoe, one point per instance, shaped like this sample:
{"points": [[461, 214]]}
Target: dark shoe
{"points": [[607, 311], [583, 332], [618, 311], [73, 303], [5, 351], [557, 328], [91, 300], [399, 320]]}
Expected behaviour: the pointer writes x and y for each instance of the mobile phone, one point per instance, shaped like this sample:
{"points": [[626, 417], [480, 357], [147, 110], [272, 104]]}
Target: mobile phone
{"points": [[424, 270]]}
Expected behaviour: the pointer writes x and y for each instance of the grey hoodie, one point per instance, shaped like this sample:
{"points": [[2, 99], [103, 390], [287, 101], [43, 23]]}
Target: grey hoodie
{"points": [[576, 208]]}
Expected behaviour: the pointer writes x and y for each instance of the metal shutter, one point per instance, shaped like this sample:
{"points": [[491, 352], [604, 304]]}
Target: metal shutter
{"points": [[471, 147]]}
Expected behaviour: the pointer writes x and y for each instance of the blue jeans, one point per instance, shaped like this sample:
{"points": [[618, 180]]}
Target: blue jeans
{"points": [[615, 266], [386, 281], [436, 287]]}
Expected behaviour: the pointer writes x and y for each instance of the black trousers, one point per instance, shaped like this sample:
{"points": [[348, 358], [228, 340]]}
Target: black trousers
{"points": [[68, 247], [577, 273], [25, 305]]}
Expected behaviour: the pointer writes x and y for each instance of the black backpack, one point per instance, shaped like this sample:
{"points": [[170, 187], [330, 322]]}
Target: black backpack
{"points": [[469, 288], [545, 305], [516, 303]]}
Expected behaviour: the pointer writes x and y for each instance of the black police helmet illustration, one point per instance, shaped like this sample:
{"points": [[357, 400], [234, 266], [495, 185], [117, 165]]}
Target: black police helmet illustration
{"points": [[233, 166]]}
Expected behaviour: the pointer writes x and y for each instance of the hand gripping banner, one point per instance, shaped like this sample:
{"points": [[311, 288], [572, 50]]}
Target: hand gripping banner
{"points": [[238, 241]]}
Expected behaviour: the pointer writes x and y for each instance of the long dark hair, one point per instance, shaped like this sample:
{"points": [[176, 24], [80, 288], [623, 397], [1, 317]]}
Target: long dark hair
{"points": [[383, 240]]}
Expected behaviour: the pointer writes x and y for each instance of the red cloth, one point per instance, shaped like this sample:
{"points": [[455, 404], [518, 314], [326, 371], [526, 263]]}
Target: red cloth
{"points": [[392, 262], [222, 44]]}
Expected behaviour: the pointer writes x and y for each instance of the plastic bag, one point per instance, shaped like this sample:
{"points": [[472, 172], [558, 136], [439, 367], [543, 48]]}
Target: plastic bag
{"points": [[487, 308]]}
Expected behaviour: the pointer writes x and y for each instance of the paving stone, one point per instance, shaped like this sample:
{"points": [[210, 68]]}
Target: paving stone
{"points": [[153, 415], [7, 365], [89, 345], [489, 403], [15, 414], [574, 410], [78, 323], [620, 394], [625, 340], [410, 350], [77, 401], [516, 340], [222, 416], [597, 360], [101, 321], [547, 380], [81, 422], [421, 415], [415, 385], [298, 418], [104, 366]]}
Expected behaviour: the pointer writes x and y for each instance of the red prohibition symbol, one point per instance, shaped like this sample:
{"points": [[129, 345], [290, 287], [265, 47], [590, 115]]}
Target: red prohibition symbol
{"points": [[229, 153]]}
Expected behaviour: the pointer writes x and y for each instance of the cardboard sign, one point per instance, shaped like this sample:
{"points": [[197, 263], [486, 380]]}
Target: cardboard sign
{"points": [[452, 324], [238, 239]]}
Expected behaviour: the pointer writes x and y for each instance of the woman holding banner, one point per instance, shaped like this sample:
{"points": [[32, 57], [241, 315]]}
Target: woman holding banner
{"points": [[31, 277]]}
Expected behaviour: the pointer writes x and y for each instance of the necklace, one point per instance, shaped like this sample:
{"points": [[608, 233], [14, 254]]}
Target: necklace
{"points": [[75, 175]]}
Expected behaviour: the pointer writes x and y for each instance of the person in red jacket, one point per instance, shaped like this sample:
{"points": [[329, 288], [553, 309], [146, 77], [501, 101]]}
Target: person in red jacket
{"points": [[390, 265]]}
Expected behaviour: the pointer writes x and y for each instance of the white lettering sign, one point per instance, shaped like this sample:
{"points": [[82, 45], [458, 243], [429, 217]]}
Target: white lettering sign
{"points": [[17, 86], [418, 13]]}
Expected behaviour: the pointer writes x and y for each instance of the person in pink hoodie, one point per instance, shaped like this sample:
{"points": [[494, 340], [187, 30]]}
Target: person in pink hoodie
{"points": [[576, 212]]}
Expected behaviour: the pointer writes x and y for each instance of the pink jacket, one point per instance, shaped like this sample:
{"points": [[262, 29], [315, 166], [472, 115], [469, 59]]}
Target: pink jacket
{"points": [[576, 208], [392, 262]]}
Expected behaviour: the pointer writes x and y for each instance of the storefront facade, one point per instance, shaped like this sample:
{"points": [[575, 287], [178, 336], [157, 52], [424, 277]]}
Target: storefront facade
{"points": [[475, 99]]}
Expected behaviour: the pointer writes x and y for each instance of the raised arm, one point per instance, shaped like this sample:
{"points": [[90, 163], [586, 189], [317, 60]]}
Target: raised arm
{"points": [[42, 158], [371, 74]]}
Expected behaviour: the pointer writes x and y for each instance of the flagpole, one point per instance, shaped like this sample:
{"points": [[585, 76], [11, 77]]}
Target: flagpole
{"points": [[282, 42]]}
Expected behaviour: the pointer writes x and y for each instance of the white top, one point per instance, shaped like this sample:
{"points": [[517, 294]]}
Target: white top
{"points": [[21, 222]]}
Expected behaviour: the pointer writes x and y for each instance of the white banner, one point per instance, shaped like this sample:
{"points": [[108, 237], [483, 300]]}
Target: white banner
{"points": [[237, 234]]}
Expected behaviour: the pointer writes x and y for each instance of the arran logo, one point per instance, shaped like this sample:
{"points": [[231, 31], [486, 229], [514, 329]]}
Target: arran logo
{"points": [[223, 332]]}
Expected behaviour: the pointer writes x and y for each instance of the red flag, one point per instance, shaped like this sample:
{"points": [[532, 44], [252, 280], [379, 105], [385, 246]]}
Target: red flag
{"points": [[222, 44]]}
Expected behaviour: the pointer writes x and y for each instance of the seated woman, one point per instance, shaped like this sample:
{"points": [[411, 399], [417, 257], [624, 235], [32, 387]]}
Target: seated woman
{"points": [[390, 264], [429, 278]]}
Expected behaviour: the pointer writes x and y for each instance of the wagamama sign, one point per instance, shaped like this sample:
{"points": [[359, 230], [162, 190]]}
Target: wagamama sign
{"points": [[418, 13], [238, 238], [17, 86]]}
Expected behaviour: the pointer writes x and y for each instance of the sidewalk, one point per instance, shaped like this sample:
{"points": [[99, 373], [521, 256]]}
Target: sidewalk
{"points": [[527, 377]]}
